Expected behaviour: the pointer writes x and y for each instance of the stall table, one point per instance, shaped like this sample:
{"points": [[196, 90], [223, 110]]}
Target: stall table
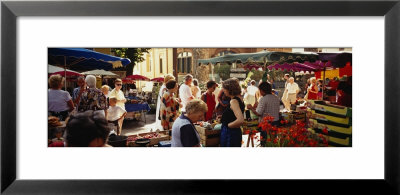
{"points": [[208, 138], [132, 108]]}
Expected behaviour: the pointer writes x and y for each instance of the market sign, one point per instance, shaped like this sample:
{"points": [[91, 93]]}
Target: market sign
{"points": [[238, 75]]}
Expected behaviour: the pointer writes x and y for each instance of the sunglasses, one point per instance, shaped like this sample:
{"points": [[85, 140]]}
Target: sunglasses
{"points": [[119, 84]]}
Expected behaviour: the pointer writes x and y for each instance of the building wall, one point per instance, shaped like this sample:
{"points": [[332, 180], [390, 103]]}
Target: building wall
{"points": [[150, 67], [103, 50]]}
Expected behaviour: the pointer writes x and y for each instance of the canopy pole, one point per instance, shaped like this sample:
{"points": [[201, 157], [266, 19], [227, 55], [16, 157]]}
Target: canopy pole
{"points": [[323, 82], [65, 73]]}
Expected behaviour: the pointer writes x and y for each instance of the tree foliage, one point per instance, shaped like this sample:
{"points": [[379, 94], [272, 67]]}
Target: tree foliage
{"points": [[134, 54], [223, 71]]}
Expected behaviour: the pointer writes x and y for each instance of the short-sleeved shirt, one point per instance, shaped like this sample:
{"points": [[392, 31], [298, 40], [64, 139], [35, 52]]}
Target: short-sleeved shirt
{"points": [[251, 90], [268, 105], [184, 133], [92, 99], [58, 100], [292, 87], [185, 93], [169, 110], [114, 113], [119, 95], [75, 93]]}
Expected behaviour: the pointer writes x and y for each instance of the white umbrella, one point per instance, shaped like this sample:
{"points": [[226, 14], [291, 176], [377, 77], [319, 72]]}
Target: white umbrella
{"points": [[99, 72], [53, 69]]}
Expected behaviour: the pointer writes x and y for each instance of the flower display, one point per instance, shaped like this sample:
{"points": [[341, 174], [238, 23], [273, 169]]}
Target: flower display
{"points": [[293, 136]]}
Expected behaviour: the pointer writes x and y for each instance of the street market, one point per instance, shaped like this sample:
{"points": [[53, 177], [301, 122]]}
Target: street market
{"points": [[261, 98]]}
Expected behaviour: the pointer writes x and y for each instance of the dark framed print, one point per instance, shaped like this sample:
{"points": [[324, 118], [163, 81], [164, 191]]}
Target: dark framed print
{"points": [[180, 23]]}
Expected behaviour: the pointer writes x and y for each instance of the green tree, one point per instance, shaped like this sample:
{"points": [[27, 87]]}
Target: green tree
{"points": [[223, 70], [134, 54], [257, 75]]}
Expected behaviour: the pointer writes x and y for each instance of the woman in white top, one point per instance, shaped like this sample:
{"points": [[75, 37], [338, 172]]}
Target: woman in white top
{"points": [[117, 93], [59, 101], [163, 88], [196, 89]]}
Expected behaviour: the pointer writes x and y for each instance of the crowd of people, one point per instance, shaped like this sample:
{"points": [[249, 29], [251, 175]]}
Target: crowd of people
{"points": [[179, 113], [98, 107], [179, 107]]}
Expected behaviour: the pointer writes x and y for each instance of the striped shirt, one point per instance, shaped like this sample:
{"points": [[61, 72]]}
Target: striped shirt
{"points": [[268, 105]]}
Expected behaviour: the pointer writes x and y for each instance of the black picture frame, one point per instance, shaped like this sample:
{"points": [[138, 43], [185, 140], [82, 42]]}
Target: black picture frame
{"points": [[10, 10]]}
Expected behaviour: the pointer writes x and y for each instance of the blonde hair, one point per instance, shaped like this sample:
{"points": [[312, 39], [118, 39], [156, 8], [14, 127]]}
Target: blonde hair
{"points": [[313, 79], [196, 105], [105, 87], [55, 80], [168, 77], [113, 98]]}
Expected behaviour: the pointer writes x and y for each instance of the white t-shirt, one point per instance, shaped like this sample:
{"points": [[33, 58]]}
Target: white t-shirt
{"points": [[252, 90], [119, 95], [115, 112], [292, 88], [198, 93], [58, 100], [184, 93]]}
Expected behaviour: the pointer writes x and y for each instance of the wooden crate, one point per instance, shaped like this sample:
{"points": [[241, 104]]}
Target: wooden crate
{"points": [[208, 138], [153, 141]]}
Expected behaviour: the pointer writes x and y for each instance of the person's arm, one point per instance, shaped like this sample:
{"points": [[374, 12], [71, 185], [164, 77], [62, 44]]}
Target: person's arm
{"points": [[190, 95], [123, 99], [238, 113], [123, 115], [203, 98], [258, 109], [70, 105], [220, 97], [314, 89], [81, 90]]}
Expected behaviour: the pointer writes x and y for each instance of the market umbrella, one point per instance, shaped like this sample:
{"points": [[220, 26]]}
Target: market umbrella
{"points": [[99, 72], [128, 81], [137, 77], [158, 79], [67, 73], [53, 69], [79, 58], [264, 56]]}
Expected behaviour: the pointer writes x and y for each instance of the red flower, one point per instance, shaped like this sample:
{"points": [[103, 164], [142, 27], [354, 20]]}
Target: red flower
{"points": [[275, 140], [269, 140], [246, 132], [254, 131], [325, 131]]}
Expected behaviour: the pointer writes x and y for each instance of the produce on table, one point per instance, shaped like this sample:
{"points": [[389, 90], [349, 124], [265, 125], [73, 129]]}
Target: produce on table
{"points": [[147, 136]]}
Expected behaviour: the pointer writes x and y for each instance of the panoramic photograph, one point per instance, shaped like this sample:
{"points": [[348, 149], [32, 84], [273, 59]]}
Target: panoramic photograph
{"points": [[200, 97]]}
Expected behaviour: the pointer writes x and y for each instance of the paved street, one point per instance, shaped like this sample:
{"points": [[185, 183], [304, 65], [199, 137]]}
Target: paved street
{"points": [[133, 127]]}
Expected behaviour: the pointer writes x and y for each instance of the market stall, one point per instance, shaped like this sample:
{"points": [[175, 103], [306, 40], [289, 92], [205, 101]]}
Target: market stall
{"points": [[84, 59], [136, 106], [317, 123]]}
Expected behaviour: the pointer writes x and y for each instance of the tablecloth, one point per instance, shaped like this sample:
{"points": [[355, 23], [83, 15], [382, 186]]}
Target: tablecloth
{"points": [[137, 107]]}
